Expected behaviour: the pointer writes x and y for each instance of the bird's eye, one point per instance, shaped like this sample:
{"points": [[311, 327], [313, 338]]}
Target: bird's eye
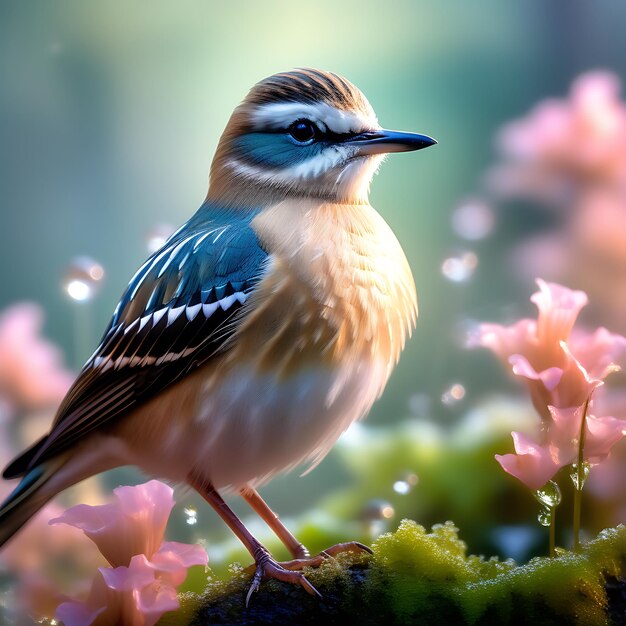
{"points": [[303, 131]]}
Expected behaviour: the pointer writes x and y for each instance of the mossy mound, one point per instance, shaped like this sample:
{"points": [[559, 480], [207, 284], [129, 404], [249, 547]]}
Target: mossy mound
{"points": [[420, 577]]}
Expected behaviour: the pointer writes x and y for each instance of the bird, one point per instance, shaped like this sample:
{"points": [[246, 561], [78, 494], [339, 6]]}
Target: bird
{"points": [[260, 331]]}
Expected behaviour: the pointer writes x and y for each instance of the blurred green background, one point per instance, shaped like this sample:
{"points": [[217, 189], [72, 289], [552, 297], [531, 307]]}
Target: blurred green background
{"points": [[110, 113]]}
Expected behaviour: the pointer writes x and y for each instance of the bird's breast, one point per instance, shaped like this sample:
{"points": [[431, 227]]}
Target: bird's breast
{"points": [[337, 289]]}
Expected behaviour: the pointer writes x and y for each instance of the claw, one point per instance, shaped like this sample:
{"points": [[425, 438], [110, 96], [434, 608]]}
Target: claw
{"points": [[363, 547], [309, 588], [267, 567], [256, 583]]}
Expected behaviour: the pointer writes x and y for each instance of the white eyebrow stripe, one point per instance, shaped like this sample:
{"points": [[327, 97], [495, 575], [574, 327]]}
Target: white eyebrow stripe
{"points": [[283, 114]]}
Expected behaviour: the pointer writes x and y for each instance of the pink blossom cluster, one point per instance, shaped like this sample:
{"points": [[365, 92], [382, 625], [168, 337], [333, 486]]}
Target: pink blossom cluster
{"points": [[561, 367], [37, 555], [141, 583], [571, 153], [140, 586], [562, 144], [31, 370], [33, 378]]}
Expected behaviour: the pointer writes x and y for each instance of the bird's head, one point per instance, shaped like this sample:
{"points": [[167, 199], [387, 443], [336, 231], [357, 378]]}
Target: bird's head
{"points": [[304, 133]]}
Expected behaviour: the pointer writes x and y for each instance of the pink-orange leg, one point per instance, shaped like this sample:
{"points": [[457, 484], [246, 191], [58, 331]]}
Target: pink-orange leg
{"points": [[301, 555], [265, 565], [260, 507]]}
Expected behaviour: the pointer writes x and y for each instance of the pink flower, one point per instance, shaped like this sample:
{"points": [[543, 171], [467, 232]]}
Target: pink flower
{"points": [[561, 367], [173, 559], [558, 310], [125, 595], [598, 352], [564, 386], [538, 341], [142, 583], [31, 371], [532, 464], [535, 464], [588, 247], [562, 144], [601, 434], [134, 524]]}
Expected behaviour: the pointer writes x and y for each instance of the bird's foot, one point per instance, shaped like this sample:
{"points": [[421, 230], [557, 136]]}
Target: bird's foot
{"points": [[317, 560], [291, 571], [267, 567]]}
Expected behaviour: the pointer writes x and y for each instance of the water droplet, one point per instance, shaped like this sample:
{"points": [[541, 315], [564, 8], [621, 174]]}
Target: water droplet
{"points": [[191, 516], [82, 279], [574, 475], [158, 236], [412, 478], [376, 515], [406, 483], [387, 512], [401, 487], [473, 220], [453, 394], [459, 269], [549, 495], [377, 510], [544, 517]]}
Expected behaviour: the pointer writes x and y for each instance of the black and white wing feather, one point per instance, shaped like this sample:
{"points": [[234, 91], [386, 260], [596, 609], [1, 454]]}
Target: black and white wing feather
{"points": [[178, 311]]}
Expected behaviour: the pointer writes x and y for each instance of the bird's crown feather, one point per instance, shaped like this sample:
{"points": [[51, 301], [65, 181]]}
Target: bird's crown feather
{"points": [[290, 136]]}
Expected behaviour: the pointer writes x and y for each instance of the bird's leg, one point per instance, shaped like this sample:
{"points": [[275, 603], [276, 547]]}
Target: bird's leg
{"points": [[265, 565], [301, 555], [252, 497]]}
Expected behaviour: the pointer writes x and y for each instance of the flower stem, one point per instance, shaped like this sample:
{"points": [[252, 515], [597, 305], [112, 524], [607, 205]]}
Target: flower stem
{"points": [[577, 507], [552, 532], [580, 477]]}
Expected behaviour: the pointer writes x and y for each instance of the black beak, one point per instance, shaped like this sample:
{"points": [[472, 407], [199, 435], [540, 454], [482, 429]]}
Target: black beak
{"points": [[382, 141]]}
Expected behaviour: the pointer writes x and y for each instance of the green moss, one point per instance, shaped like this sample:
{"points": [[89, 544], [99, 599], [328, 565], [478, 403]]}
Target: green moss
{"points": [[423, 573], [189, 605], [416, 576]]}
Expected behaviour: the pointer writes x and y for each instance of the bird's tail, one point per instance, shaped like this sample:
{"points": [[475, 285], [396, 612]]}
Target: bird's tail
{"points": [[26, 499]]}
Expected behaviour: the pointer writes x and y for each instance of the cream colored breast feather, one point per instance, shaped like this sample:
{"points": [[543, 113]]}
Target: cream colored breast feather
{"points": [[339, 288]]}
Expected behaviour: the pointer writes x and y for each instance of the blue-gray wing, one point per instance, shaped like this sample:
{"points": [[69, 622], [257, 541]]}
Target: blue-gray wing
{"points": [[178, 311]]}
